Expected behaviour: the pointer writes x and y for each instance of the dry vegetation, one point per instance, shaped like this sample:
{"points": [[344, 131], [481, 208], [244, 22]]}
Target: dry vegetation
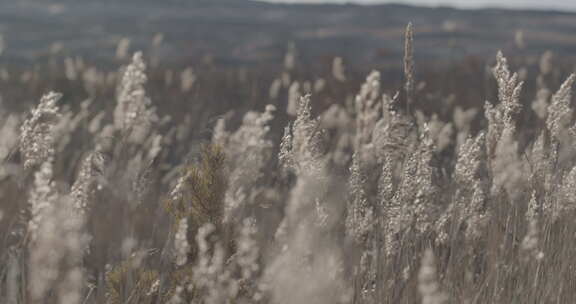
{"points": [[315, 197]]}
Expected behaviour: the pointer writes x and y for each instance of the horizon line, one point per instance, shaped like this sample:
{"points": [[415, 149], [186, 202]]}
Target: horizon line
{"points": [[479, 6]]}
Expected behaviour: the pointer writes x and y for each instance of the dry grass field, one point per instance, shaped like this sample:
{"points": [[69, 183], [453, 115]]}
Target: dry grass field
{"points": [[129, 178]]}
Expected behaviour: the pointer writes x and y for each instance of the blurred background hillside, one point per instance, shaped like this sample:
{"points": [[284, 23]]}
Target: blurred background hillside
{"points": [[237, 32], [46, 44], [214, 58]]}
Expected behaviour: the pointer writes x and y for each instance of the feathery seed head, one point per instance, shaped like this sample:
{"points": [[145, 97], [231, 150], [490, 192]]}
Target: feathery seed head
{"points": [[36, 137], [559, 112]]}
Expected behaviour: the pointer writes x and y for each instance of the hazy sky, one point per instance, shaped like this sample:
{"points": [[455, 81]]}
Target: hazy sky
{"points": [[540, 4]]}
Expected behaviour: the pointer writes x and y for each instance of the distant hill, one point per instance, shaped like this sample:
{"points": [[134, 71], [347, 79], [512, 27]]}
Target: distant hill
{"points": [[242, 32]]}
